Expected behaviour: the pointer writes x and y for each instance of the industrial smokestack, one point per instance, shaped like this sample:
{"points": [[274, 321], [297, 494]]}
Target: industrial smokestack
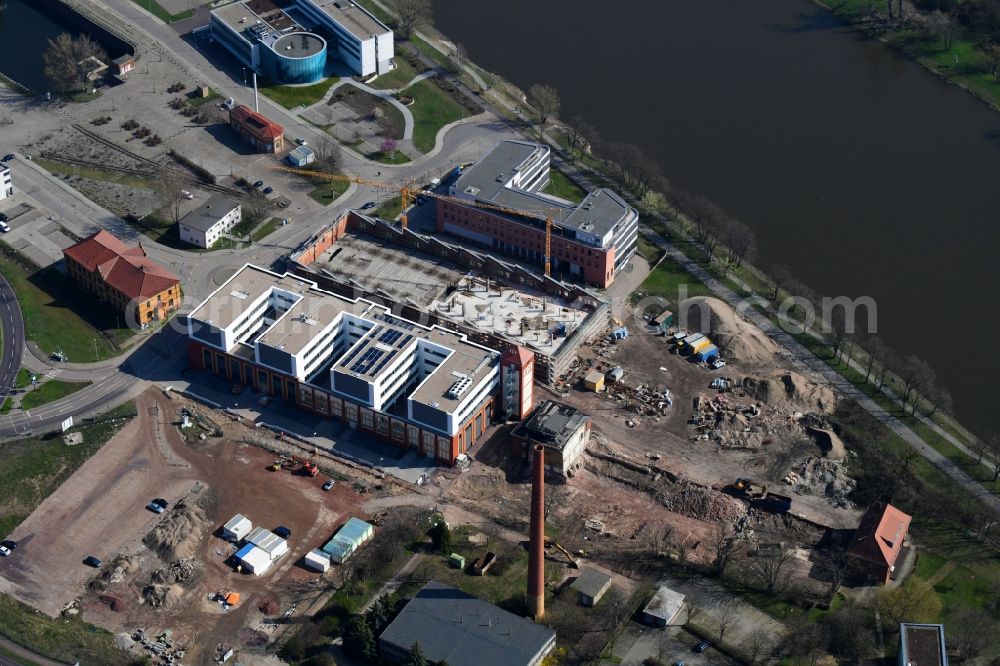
{"points": [[536, 544]]}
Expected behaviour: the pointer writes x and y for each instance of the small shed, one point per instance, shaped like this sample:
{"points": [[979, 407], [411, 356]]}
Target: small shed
{"points": [[237, 528], [357, 530], [301, 156], [665, 319], [615, 375], [594, 381], [317, 560], [253, 559], [663, 608], [348, 539], [591, 584], [203, 91], [456, 561], [268, 541]]}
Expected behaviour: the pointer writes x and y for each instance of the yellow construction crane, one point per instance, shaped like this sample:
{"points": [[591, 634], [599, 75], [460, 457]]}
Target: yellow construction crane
{"points": [[407, 192]]}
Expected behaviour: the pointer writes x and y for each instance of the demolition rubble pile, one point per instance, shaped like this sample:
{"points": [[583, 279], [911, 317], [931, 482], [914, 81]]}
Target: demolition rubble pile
{"points": [[822, 476], [697, 501]]}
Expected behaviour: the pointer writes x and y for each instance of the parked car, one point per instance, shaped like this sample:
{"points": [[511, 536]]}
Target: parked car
{"points": [[701, 647], [283, 531], [4, 218], [229, 103], [301, 141], [159, 501], [187, 195], [329, 484], [259, 184], [370, 204], [8, 157], [679, 663], [4, 551], [92, 561], [154, 507], [268, 190], [8, 544], [717, 363], [4, 227]]}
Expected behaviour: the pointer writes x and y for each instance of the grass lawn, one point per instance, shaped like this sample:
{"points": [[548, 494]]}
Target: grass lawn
{"points": [[396, 158], [70, 640], [33, 468], [5, 408], [441, 59], [649, 252], [326, 193], [666, 279], [161, 13], [266, 228], [50, 391], [23, 378], [562, 187], [58, 168], [293, 96], [397, 78], [389, 209], [432, 109], [58, 315], [378, 12]]}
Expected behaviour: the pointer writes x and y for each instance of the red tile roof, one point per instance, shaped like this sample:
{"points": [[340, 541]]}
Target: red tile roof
{"points": [[255, 122], [518, 355], [122, 267], [880, 535]]}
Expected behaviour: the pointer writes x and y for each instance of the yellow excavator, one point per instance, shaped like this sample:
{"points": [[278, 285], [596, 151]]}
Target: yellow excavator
{"points": [[572, 561]]}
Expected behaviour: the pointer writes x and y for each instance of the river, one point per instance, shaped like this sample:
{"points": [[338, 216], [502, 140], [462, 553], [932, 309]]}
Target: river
{"points": [[860, 170]]}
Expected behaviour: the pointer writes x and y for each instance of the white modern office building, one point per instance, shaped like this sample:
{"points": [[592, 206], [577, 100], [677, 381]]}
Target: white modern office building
{"points": [[292, 43], [6, 186], [206, 224], [427, 388]]}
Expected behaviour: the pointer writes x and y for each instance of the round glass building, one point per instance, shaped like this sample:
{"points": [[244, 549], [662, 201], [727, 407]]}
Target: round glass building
{"points": [[297, 57]]}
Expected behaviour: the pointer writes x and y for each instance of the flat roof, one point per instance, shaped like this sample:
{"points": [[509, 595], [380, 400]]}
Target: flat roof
{"points": [[552, 424], [208, 214], [922, 644], [298, 45], [665, 604], [487, 180], [352, 18], [591, 582], [316, 308], [456, 627]]}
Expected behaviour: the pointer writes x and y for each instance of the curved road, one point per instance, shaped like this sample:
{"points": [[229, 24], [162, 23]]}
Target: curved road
{"points": [[12, 325]]}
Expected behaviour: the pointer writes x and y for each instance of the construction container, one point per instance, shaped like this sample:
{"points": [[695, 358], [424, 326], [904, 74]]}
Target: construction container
{"points": [[348, 539], [268, 541], [665, 319], [317, 560], [696, 347], [708, 353], [253, 559], [456, 561], [237, 528], [615, 375], [594, 381]]}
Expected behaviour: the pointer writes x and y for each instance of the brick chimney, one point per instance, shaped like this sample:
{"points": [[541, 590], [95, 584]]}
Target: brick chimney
{"points": [[536, 544]]}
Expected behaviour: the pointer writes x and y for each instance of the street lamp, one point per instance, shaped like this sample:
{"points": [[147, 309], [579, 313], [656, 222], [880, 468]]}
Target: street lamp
{"points": [[244, 76], [96, 357]]}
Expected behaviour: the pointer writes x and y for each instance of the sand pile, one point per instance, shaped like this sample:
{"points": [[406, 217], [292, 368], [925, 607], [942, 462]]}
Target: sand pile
{"points": [[822, 477], [736, 338], [831, 445], [790, 392], [175, 537]]}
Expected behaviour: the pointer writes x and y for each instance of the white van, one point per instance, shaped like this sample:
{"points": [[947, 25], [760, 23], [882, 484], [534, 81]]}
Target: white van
{"points": [[229, 103]]}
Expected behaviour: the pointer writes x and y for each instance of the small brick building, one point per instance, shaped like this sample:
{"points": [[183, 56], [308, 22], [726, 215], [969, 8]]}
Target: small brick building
{"points": [[265, 135], [878, 542]]}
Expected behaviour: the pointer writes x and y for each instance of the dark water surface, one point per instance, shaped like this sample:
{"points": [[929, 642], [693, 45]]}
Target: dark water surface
{"points": [[856, 167], [25, 28]]}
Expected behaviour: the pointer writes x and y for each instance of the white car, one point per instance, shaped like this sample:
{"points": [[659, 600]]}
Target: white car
{"points": [[4, 551], [717, 363], [229, 103], [187, 195], [4, 227], [300, 141]]}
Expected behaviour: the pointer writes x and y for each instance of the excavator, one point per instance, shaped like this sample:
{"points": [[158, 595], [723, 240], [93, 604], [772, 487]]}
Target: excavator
{"points": [[762, 499], [549, 543], [308, 468]]}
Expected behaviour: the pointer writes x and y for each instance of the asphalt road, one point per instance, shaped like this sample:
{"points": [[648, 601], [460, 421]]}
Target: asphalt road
{"points": [[12, 326]]}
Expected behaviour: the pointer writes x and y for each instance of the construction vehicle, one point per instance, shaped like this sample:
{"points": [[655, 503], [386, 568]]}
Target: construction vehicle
{"points": [[408, 193], [572, 560], [308, 468], [762, 499]]}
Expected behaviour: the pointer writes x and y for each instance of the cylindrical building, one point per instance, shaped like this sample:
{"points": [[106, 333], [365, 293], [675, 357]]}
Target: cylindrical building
{"points": [[297, 57]]}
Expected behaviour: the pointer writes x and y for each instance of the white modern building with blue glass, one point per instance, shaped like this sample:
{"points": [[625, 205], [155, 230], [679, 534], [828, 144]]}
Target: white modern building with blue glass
{"points": [[291, 41]]}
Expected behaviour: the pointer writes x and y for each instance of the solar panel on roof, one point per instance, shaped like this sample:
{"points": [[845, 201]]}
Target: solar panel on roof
{"points": [[384, 361], [405, 341], [390, 336], [367, 361]]}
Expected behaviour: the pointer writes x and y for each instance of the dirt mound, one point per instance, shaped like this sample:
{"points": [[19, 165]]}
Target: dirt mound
{"points": [[268, 607], [175, 537], [117, 604], [832, 446], [161, 596], [790, 392], [822, 477], [175, 572], [736, 338], [697, 501]]}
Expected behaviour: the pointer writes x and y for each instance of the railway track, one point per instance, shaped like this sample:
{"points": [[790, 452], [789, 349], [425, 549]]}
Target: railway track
{"points": [[156, 167]]}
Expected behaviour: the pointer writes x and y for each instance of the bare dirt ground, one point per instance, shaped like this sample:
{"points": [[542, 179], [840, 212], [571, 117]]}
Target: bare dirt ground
{"points": [[100, 511]]}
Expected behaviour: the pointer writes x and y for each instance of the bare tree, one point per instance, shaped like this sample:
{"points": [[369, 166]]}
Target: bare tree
{"points": [[780, 276], [412, 15], [63, 61], [741, 243], [833, 569], [460, 55], [255, 209], [917, 376], [940, 399], [971, 632], [992, 51], [979, 447], [940, 25], [169, 185], [329, 157], [724, 546], [728, 615], [873, 343], [545, 99], [993, 445], [768, 569], [659, 537], [760, 648]]}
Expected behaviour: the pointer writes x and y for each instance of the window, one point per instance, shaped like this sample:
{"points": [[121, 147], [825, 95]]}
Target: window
{"points": [[366, 419]]}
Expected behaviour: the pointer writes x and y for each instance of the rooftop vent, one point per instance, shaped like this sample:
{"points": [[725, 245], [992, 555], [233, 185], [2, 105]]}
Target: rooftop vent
{"points": [[242, 295], [459, 387]]}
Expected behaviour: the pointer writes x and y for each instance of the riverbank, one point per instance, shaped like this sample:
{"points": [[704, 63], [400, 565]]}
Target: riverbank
{"points": [[953, 55]]}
